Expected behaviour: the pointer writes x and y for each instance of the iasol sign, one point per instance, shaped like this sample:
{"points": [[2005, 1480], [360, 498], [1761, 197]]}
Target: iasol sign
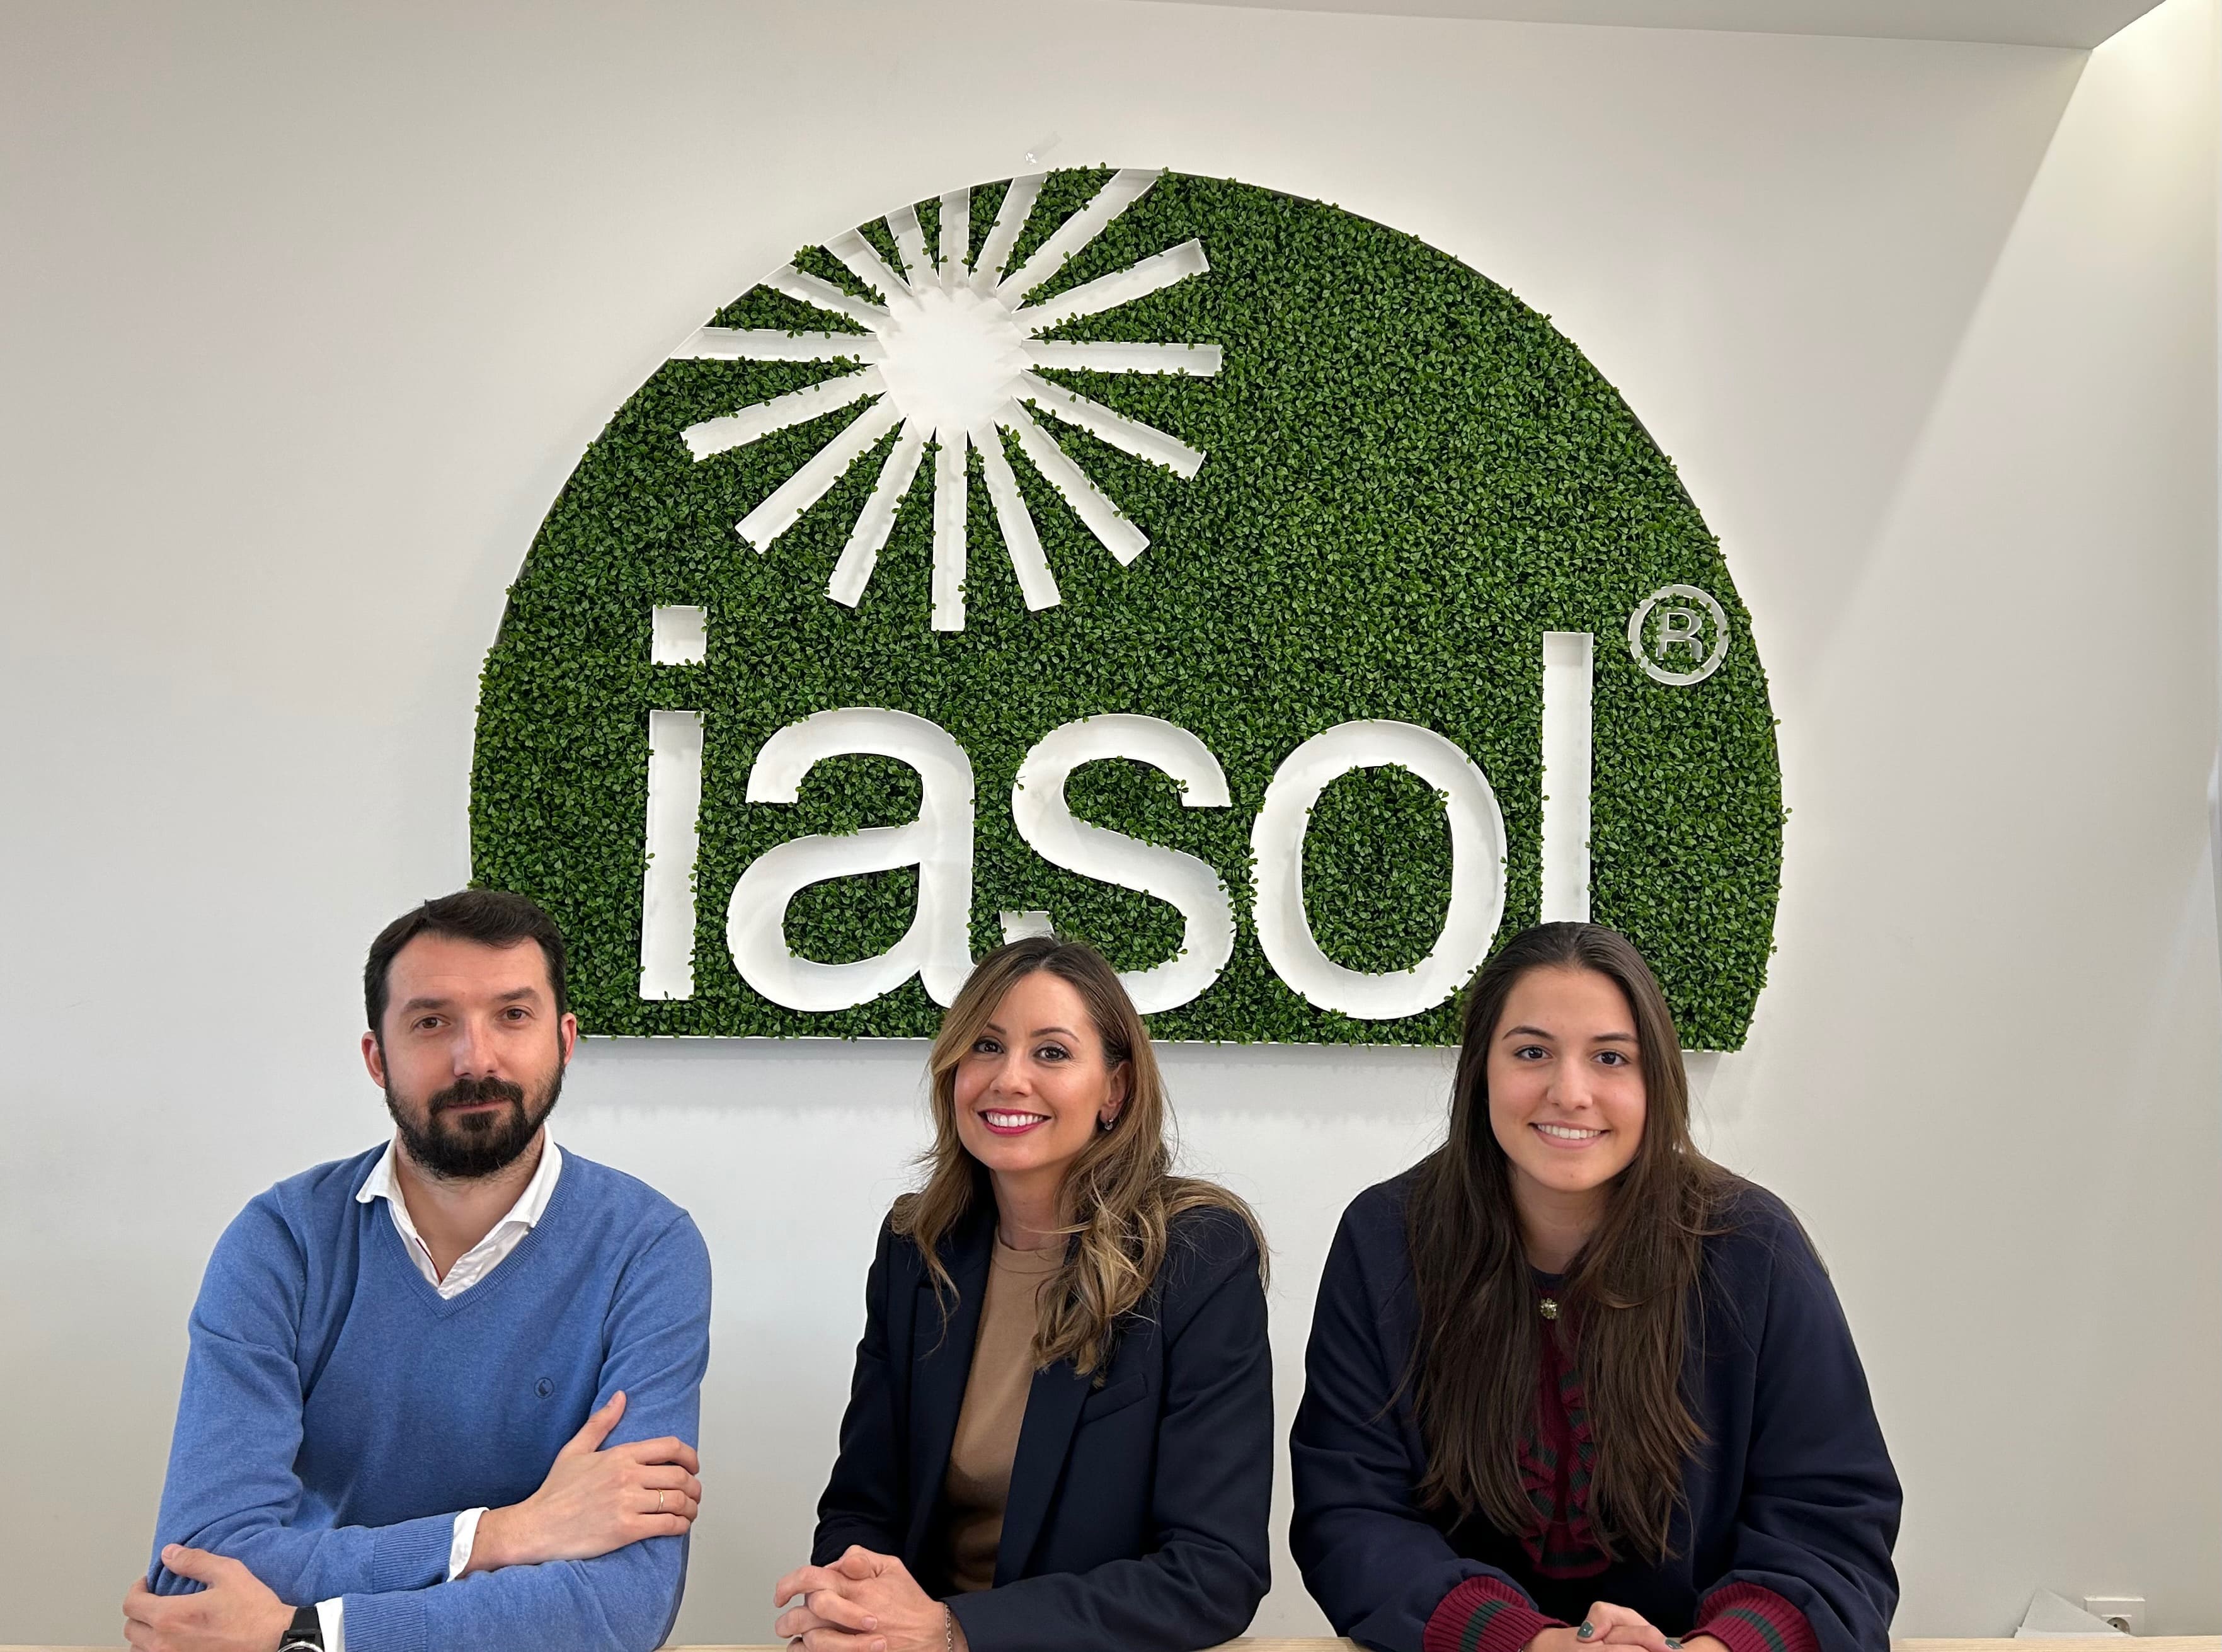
{"points": [[1241, 584]]}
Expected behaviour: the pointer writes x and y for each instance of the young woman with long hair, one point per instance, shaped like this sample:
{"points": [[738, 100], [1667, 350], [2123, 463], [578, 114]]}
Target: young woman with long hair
{"points": [[1568, 1371], [1060, 1430]]}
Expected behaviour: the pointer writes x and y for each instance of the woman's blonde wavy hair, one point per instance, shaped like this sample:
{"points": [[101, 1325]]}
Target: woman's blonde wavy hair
{"points": [[1120, 1195]]}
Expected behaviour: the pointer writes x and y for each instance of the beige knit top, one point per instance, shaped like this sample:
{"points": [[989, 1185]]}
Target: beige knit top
{"points": [[978, 1484]]}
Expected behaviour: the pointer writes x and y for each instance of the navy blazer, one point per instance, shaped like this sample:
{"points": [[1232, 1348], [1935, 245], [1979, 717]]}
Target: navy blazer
{"points": [[1793, 1490], [1137, 1515]]}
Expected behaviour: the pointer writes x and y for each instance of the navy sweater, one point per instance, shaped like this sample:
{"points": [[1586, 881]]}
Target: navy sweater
{"points": [[1791, 1499], [338, 1413]]}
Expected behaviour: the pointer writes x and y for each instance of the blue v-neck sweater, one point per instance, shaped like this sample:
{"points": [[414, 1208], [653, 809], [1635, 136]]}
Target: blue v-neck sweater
{"points": [[337, 1414]]}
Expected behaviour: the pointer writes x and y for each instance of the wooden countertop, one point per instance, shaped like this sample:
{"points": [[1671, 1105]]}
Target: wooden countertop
{"points": [[2145, 1643]]}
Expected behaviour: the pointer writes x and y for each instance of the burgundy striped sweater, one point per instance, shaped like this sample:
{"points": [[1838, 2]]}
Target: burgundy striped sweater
{"points": [[1781, 1541], [1488, 1615]]}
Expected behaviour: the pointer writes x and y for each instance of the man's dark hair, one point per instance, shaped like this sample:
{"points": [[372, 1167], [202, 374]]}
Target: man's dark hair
{"points": [[490, 917]]}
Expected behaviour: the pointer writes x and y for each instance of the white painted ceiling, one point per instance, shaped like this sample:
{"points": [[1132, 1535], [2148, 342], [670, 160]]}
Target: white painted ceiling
{"points": [[2027, 23]]}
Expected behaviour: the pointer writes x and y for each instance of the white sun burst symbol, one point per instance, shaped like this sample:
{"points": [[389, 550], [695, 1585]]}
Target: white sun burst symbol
{"points": [[951, 356]]}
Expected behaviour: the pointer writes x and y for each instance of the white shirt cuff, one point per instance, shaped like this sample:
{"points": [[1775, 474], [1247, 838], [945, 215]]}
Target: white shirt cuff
{"points": [[331, 1615], [466, 1535]]}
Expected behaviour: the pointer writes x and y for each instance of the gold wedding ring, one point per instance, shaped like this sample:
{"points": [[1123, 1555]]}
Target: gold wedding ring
{"points": [[659, 1503]]}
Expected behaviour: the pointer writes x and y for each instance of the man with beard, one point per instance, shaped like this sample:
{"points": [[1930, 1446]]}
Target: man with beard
{"points": [[441, 1395]]}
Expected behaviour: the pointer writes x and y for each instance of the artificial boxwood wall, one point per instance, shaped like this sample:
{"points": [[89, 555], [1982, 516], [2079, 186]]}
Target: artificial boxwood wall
{"points": [[1411, 476]]}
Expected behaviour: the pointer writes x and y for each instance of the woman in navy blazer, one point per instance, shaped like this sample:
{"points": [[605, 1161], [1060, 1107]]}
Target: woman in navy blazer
{"points": [[1567, 1369], [1140, 1478]]}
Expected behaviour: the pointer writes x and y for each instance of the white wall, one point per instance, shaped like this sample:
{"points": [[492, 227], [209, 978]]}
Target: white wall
{"points": [[306, 312]]}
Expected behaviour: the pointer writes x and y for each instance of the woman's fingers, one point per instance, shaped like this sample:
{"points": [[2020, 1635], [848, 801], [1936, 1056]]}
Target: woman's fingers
{"points": [[801, 1580], [839, 1612], [800, 1629], [1641, 1634], [1604, 1615], [861, 1564], [836, 1640], [857, 1565], [1615, 1625]]}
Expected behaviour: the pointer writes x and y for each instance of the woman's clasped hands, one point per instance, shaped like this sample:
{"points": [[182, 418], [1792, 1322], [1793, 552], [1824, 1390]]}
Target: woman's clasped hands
{"points": [[862, 1602], [1606, 1624]]}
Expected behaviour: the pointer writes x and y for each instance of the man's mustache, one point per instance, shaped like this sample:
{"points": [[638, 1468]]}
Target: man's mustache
{"points": [[476, 1092]]}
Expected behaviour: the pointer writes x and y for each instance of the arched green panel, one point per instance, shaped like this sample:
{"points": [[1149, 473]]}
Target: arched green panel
{"points": [[1410, 476]]}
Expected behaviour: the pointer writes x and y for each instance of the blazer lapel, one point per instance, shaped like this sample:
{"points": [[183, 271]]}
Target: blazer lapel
{"points": [[1053, 1405], [941, 1364]]}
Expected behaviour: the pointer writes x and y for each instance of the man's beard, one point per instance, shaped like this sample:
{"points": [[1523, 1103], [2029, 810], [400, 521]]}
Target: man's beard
{"points": [[478, 1144]]}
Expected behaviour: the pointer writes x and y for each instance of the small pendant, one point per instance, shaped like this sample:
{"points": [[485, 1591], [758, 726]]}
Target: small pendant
{"points": [[1550, 1308]]}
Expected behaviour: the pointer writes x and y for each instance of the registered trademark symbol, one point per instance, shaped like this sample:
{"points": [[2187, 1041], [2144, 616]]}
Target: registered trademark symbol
{"points": [[1674, 619]]}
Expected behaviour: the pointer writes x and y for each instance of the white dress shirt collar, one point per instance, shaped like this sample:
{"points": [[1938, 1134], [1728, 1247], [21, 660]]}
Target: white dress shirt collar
{"points": [[488, 1253]]}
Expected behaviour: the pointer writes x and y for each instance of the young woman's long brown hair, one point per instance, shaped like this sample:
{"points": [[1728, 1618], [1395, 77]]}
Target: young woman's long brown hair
{"points": [[1626, 1297], [1119, 1197]]}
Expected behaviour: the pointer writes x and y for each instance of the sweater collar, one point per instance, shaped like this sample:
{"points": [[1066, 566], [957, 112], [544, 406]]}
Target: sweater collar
{"points": [[502, 1239]]}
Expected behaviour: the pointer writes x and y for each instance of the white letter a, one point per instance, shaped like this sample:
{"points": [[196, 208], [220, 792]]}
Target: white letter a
{"points": [[937, 948]]}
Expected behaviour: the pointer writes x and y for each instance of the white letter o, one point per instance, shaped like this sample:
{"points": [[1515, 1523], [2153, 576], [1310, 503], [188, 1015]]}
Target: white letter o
{"points": [[1476, 903]]}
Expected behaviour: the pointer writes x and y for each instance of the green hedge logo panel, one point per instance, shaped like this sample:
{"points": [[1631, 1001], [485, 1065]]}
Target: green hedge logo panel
{"points": [[1241, 584]]}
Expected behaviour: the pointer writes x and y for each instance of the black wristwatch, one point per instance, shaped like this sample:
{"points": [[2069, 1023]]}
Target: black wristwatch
{"points": [[305, 1634]]}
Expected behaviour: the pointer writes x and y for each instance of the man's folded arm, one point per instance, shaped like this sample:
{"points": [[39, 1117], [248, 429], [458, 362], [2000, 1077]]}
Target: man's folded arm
{"points": [[658, 1340], [623, 1601], [230, 1487]]}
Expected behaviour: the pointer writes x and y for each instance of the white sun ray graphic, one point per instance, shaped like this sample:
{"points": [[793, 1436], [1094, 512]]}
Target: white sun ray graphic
{"points": [[951, 357]]}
